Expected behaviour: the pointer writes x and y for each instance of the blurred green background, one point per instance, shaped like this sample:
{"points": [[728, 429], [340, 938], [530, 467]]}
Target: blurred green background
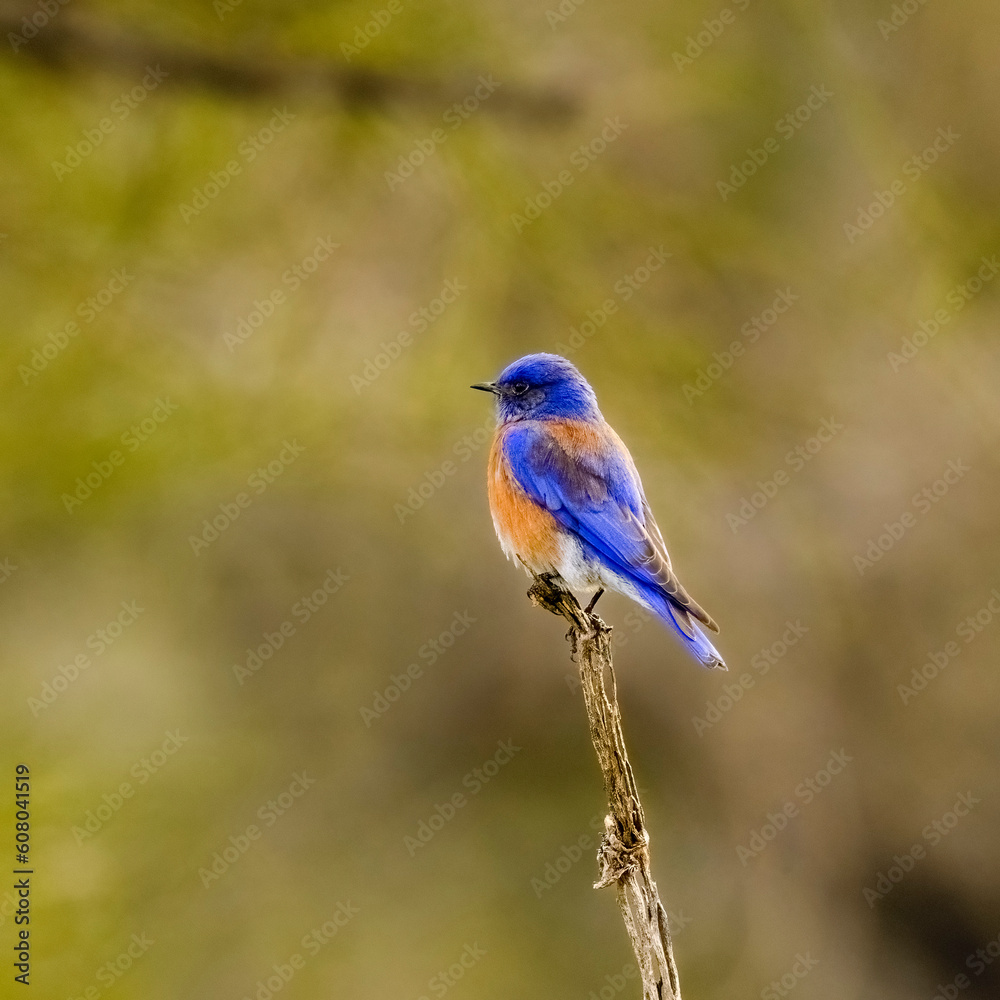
{"points": [[179, 328]]}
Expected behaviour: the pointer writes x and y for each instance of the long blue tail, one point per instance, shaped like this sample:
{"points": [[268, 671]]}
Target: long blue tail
{"points": [[690, 632]]}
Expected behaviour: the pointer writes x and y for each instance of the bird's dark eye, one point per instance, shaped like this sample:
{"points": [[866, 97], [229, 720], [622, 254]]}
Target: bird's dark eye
{"points": [[519, 388]]}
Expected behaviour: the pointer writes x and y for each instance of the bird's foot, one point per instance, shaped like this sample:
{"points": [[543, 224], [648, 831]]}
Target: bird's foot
{"points": [[593, 601]]}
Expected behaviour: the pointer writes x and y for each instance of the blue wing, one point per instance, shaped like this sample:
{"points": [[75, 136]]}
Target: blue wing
{"points": [[597, 496]]}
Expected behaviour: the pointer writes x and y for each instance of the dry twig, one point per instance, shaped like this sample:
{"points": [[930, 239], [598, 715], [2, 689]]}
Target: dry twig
{"points": [[624, 850]]}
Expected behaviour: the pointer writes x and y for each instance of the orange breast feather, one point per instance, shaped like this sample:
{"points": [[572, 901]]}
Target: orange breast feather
{"points": [[524, 528]]}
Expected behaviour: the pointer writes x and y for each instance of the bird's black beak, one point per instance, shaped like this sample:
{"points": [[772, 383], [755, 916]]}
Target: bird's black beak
{"points": [[487, 387]]}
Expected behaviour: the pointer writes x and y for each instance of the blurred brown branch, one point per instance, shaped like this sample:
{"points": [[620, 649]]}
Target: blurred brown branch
{"points": [[624, 850], [83, 44]]}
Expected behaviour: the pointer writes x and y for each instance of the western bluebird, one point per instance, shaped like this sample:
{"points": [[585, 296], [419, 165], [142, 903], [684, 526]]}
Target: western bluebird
{"points": [[567, 501]]}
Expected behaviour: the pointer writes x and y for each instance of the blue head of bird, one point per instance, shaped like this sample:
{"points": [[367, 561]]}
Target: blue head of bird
{"points": [[542, 387]]}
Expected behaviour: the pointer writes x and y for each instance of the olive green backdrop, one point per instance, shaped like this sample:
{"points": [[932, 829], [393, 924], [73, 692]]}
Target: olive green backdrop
{"points": [[292, 725]]}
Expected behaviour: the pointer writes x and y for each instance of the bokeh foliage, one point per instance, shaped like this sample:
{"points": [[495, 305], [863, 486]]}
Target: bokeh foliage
{"points": [[337, 506]]}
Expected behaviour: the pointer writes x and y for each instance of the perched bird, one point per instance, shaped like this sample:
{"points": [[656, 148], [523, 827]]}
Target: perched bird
{"points": [[567, 501]]}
